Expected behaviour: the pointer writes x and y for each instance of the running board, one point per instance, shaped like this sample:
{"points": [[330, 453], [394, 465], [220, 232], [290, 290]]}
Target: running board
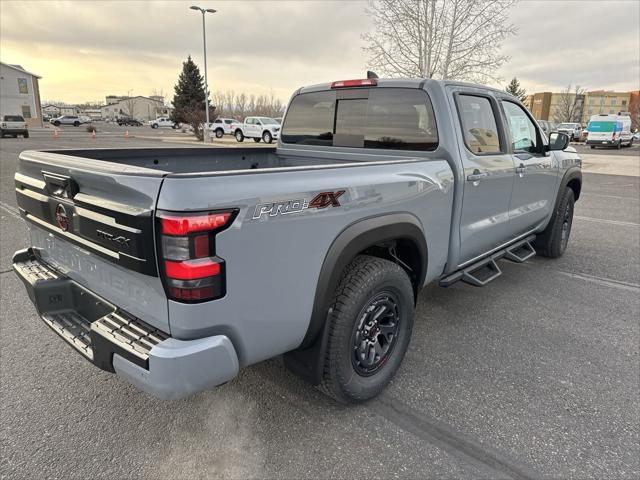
{"points": [[486, 269]]}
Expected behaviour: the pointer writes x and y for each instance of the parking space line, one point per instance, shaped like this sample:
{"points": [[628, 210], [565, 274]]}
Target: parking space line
{"points": [[451, 441], [607, 282], [10, 210], [609, 222]]}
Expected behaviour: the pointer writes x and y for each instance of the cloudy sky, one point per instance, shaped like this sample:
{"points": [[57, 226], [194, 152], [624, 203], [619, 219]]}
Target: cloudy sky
{"points": [[86, 50]]}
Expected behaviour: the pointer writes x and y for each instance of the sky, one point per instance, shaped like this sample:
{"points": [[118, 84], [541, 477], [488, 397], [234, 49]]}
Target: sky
{"points": [[85, 50]]}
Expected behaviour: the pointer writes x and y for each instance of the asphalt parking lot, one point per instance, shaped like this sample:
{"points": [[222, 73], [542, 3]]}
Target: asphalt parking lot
{"points": [[535, 376]]}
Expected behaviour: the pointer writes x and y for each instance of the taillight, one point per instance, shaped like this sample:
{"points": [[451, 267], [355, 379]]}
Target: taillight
{"points": [[365, 82], [192, 271]]}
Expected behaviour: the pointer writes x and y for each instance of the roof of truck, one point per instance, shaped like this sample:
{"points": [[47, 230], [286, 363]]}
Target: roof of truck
{"points": [[401, 82]]}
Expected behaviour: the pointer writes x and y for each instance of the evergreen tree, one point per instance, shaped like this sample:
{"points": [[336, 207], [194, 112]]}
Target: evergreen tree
{"points": [[514, 89], [189, 91]]}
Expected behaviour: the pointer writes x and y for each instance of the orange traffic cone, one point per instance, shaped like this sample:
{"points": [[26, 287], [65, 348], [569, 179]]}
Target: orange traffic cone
{"points": [[93, 134], [55, 133], [126, 134]]}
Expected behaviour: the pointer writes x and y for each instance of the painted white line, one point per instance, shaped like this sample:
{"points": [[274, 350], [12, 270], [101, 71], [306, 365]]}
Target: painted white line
{"points": [[607, 196], [609, 222], [607, 282], [10, 210]]}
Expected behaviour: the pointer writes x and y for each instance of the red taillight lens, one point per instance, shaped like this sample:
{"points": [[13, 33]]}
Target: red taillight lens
{"points": [[365, 82], [192, 271], [182, 225]]}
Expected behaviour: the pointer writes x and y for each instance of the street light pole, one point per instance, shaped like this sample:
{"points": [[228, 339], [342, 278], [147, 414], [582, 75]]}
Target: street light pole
{"points": [[206, 83]]}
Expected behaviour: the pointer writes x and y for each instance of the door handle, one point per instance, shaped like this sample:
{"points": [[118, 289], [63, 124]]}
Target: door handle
{"points": [[476, 176]]}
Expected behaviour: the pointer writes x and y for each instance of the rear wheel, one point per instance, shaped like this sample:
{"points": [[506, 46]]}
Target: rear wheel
{"points": [[593, 147], [553, 241], [239, 136], [155, 125], [266, 137], [76, 124], [25, 135], [219, 133], [370, 323]]}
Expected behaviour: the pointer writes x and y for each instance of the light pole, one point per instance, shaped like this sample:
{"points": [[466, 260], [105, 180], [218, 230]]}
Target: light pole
{"points": [[206, 84]]}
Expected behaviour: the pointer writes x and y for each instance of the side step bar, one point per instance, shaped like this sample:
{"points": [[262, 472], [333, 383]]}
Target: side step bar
{"points": [[486, 270]]}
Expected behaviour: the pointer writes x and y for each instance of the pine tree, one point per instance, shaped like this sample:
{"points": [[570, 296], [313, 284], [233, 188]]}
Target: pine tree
{"points": [[514, 89], [189, 91], [188, 101]]}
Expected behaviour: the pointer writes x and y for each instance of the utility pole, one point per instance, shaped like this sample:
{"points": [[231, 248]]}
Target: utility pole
{"points": [[206, 84]]}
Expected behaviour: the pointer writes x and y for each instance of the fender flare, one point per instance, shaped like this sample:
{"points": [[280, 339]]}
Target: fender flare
{"points": [[306, 360], [573, 173]]}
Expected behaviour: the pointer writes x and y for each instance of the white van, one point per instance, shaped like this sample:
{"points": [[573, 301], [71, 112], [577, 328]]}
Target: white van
{"points": [[609, 130]]}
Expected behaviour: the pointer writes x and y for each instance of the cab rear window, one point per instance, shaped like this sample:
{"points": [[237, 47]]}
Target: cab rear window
{"points": [[13, 118], [390, 118]]}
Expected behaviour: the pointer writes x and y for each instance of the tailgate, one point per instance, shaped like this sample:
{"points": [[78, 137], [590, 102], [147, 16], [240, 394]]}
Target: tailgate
{"points": [[94, 220]]}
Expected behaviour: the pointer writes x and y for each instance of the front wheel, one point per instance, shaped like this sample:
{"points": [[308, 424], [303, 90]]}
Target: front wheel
{"points": [[370, 323], [266, 137], [155, 125], [553, 241], [239, 136], [76, 124], [26, 135], [57, 124]]}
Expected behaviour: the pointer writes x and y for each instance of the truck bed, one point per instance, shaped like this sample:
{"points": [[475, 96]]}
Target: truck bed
{"points": [[182, 160]]}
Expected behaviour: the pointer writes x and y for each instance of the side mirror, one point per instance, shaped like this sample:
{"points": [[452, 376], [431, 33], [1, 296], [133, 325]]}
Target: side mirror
{"points": [[558, 141]]}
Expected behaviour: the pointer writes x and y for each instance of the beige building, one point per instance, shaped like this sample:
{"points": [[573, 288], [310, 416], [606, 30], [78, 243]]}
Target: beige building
{"points": [[139, 107], [604, 101]]}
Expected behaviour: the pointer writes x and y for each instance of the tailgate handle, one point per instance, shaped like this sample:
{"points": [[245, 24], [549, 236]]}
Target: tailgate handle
{"points": [[60, 185]]}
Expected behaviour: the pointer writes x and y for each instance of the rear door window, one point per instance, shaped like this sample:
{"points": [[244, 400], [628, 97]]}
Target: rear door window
{"points": [[390, 118], [479, 124]]}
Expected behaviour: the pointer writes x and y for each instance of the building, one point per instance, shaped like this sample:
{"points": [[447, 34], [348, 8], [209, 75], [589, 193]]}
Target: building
{"points": [[52, 111], [605, 101], [634, 108], [20, 94], [139, 107], [547, 105]]}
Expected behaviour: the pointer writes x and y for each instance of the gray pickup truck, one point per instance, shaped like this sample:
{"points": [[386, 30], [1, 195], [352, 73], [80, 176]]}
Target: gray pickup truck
{"points": [[174, 268]]}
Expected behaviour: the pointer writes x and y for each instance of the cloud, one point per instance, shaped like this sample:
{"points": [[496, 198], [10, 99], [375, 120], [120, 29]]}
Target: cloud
{"points": [[86, 50]]}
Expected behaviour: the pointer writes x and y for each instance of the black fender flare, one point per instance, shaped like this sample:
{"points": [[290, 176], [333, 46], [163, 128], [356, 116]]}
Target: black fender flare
{"points": [[355, 238], [573, 174]]}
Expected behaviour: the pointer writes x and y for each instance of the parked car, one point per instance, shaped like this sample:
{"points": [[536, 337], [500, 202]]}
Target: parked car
{"points": [[163, 122], [573, 130], [129, 122], [259, 128], [175, 268], [74, 120], [223, 126], [546, 127], [14, 125], [609, 130]]}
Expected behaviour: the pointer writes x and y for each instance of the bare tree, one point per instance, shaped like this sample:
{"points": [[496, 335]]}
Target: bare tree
{"points": [[130, 104], [446, 39], [569, 105]]}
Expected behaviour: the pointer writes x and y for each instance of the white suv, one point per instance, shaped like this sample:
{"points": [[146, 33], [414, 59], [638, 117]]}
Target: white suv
{"points": [[574, 130], [259, 128], [163, 122]]}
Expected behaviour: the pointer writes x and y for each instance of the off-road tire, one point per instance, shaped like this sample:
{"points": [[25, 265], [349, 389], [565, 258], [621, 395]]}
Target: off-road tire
{"points": [[551, 243], [363, 280]]}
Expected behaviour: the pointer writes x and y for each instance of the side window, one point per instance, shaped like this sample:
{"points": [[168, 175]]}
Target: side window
{"points": [[479, 125], [23, 86], [218, 121], [524, 137]]}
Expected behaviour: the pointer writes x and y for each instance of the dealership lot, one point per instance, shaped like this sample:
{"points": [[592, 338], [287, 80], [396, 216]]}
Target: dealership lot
{"points": [[535, 375]]}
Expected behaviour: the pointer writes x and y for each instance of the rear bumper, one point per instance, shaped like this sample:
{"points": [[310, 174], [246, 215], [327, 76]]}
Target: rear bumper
{"points": [[19, 131], [115, 341]]}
